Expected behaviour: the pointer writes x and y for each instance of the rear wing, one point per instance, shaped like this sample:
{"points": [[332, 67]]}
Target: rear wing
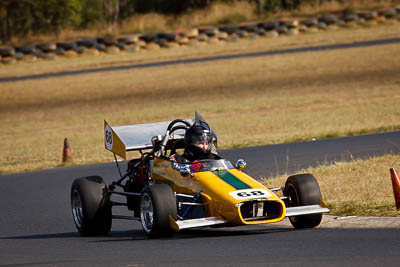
{"points": [[121, 139]]}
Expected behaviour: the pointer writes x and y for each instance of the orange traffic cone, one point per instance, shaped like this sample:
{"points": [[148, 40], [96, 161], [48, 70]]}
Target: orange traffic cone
{"points": [[396, 187], [67, 155]]}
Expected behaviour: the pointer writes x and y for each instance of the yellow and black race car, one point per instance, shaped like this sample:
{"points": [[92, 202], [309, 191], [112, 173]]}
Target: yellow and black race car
{"points": [[208, 192]]}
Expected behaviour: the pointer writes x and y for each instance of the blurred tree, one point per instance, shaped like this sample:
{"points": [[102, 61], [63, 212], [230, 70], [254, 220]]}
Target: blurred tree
{"points": [[91, 12], [275, 5], [3, 22], [126, 9], [22, 17], [116, 10], [54, 15], [111, 13], [171, 6]]}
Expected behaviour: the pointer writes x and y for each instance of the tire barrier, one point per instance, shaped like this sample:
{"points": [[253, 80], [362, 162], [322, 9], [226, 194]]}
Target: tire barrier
{"points": [[195, 37]]}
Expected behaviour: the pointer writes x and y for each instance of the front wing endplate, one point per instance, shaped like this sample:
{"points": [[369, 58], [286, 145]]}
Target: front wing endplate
{"points": [[193, 223], [303, 210]]}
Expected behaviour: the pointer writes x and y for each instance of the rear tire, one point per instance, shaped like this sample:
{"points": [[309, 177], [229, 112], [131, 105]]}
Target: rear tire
{"points": [[302, 190], [157, 203], [91, 206]]}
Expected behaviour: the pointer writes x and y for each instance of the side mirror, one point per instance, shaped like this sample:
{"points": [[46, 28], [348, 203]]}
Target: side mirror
{"points": [[240, 164]]}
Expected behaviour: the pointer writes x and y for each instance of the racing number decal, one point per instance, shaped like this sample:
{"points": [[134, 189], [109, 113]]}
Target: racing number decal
{"points": [[250, 193], [108, 137]]}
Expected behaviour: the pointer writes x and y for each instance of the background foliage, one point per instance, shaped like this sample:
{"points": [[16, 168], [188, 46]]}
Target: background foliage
{"points": [[19, 18]]}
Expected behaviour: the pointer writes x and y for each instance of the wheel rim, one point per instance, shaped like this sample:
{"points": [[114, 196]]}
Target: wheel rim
{"points": [[293, 202], [292, 195], [76, 204], [146, 213]]}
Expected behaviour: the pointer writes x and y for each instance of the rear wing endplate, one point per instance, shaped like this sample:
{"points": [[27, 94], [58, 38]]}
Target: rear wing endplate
{"points": [[121, 139]]}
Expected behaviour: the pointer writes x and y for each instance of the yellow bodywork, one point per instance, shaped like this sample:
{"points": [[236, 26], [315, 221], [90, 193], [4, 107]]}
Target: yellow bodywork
{"points": [[216, 192]]}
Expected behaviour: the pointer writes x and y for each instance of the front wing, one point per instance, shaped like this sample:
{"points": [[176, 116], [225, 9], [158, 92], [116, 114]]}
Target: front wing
{"points": [[211, 221]]}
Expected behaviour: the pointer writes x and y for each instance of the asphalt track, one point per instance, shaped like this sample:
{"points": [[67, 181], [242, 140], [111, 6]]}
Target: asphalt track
{"points": [[202, 59], [36, 227], [273, 160]]}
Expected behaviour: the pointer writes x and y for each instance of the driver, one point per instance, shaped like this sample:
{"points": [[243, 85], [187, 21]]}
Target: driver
{"points": [[198, 146]]}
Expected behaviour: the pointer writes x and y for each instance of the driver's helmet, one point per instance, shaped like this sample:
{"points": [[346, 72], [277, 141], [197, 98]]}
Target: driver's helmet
{"points": [[198, 140]]}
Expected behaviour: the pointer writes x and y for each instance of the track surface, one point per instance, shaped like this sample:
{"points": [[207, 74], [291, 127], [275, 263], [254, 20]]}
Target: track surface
{"points": [[203, 59], [267, 161], [36, 227]]}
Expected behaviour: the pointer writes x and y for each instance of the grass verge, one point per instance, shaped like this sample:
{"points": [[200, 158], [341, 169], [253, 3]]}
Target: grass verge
{"points": [[248, 102], [360, 187]]}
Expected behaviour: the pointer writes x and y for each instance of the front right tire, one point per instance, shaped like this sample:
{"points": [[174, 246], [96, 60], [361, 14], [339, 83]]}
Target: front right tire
{"points": [[157, 203]]}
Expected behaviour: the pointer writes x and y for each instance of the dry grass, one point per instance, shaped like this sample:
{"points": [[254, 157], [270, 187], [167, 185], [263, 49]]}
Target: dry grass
{"points": [[215, 14], [352, 5], [143, 23], [361, 187], [248, 102], [220, 13]]}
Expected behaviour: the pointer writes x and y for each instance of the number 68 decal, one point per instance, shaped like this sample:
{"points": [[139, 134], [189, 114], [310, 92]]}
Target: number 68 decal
{"points": [[250, 193], [108, 137]]}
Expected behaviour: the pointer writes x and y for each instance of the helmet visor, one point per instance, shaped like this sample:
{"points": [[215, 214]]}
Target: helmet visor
{"points": [[202, 141]]}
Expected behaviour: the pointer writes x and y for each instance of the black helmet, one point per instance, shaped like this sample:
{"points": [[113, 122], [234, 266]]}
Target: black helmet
{"points": [[198, 140]]}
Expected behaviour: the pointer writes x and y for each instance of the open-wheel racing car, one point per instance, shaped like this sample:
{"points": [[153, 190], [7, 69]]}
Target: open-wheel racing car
{"points": [[209, 192]]}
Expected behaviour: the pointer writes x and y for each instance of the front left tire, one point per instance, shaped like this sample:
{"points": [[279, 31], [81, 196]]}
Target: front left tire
{"points": [[302, 190]]}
